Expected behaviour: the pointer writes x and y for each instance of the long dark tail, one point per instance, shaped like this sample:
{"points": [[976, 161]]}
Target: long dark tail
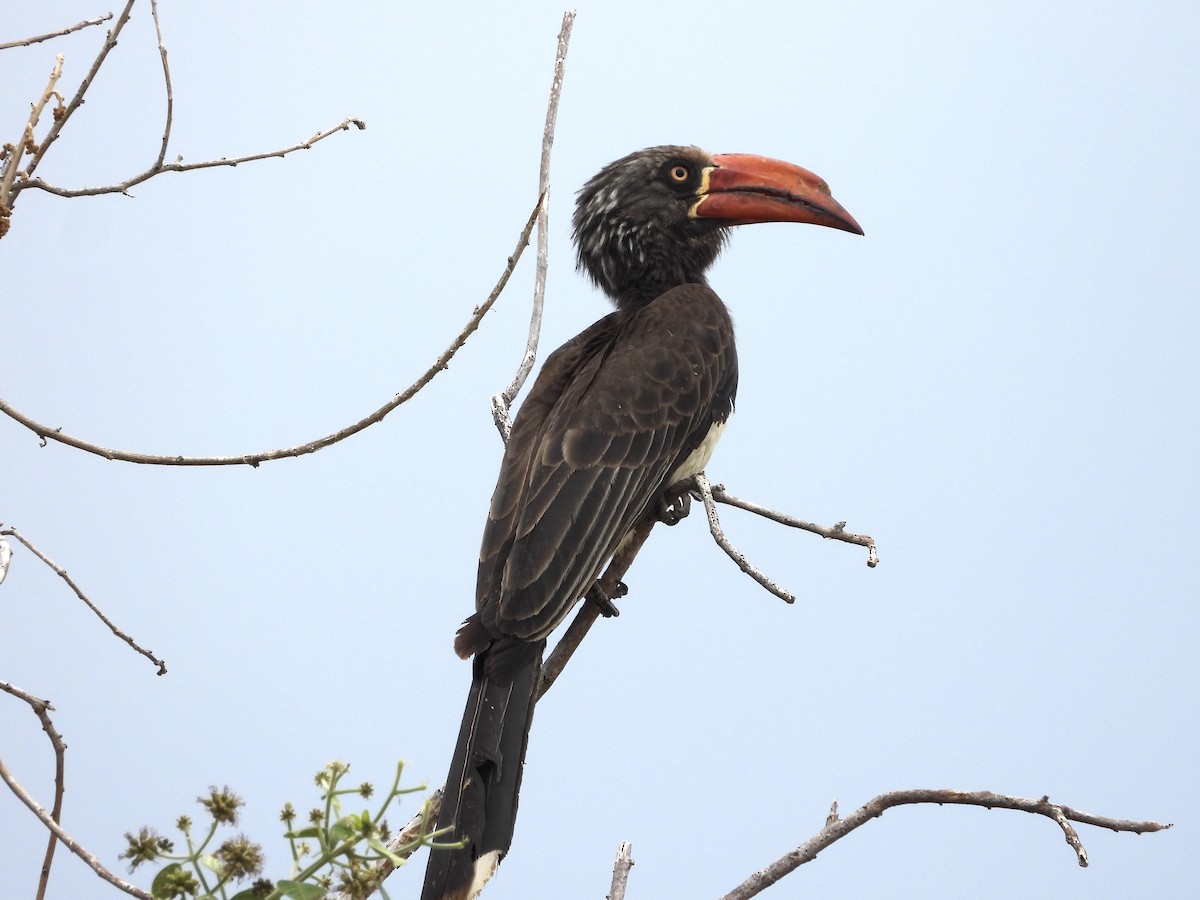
{"points": [[480, 803]]}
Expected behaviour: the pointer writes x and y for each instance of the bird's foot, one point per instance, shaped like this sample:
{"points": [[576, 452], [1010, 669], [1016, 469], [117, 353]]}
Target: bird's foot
{"points": [[605, 604], [673, 508]]}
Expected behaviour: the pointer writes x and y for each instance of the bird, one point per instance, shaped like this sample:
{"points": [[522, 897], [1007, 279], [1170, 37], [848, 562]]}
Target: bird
{"points": [[617, 415]]}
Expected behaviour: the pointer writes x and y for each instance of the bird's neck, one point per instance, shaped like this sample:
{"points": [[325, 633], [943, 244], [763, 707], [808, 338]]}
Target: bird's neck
{"points": [[635, 267]]}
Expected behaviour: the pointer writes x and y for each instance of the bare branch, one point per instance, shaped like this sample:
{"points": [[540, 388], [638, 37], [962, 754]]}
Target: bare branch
{"points": [[714, 526], [502, 402], [836, 828], [11, 188], [62, 573], [162, 53], [41, 709], [159, 168], [45, 432], [76, 101], [26, 142], [621, 867], [72, 844], [834, 533], [55, 34], [50, 820]]}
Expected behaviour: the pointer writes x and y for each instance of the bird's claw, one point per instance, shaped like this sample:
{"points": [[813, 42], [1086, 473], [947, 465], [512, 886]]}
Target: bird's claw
{"points": [[673, 508], [605, 604]]}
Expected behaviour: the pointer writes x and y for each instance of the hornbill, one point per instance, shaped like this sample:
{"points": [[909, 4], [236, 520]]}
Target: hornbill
{"points": [[622, 411]]}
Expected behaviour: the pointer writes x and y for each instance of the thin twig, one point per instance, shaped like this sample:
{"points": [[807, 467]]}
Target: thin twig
{"points": [[836, 828], [45, 432], [836, 532], [159, 168], [430, 809], [41, 708], [714, 526], [25, 142], [62, 573], [55, 34], [72, 844], [502, 402], [621, 867], [76, 101], [162, 52]]}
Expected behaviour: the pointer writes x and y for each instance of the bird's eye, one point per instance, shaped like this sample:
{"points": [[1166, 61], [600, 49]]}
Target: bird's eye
{"points": [[679, 173]]}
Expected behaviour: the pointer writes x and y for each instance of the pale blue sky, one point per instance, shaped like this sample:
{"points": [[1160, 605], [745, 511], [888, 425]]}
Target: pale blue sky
{"points": [[998, 382]]}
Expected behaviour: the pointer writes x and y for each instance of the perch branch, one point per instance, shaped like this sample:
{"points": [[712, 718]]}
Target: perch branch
{"points": [[609, 585], [79, 26], [836, 828], [714, 526], [588, 613], [41, 709], [836, 532], [62, 573], [503, 401], [45, 432], [603, 591]]}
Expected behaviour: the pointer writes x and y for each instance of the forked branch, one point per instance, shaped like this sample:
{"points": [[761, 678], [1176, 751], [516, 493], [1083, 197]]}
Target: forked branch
{"points": [[836, 828], [41, 709]]}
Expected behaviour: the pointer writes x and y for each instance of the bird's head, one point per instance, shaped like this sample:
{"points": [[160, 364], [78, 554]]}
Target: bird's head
{"points": [[657, 218]]}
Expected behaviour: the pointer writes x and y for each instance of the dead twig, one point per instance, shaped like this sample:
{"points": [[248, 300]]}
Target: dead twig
{"points": [[78, 26], [45, 432], [50, 819], [62, 573], [26, 143], [836, 532], [76, 101], [162, 53], [159, 168], [12, 187], [41, 709], [837, 828], [714, 526], [432, 806], [621, 867], [502, 402]]}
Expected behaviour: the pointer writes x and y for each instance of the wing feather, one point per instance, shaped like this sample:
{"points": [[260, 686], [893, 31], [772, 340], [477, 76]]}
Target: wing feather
{"points": [[611, 416]]}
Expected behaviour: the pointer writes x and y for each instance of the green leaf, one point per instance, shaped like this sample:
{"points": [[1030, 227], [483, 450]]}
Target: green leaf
{"points": [[248, 894], [158, 886], [211, 863], [383, 851], [343, 829], [299, 891], [312, 832]]}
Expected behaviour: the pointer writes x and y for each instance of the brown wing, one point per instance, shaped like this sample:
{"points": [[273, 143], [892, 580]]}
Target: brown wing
{"points": [[611, 416]]}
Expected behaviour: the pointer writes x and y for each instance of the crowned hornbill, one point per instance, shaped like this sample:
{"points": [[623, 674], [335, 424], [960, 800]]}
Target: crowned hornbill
{"points": [[619, 413]]}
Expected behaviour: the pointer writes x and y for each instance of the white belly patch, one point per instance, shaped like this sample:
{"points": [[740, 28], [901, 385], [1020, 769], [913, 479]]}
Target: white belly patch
{"points": [[699, 457]]}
